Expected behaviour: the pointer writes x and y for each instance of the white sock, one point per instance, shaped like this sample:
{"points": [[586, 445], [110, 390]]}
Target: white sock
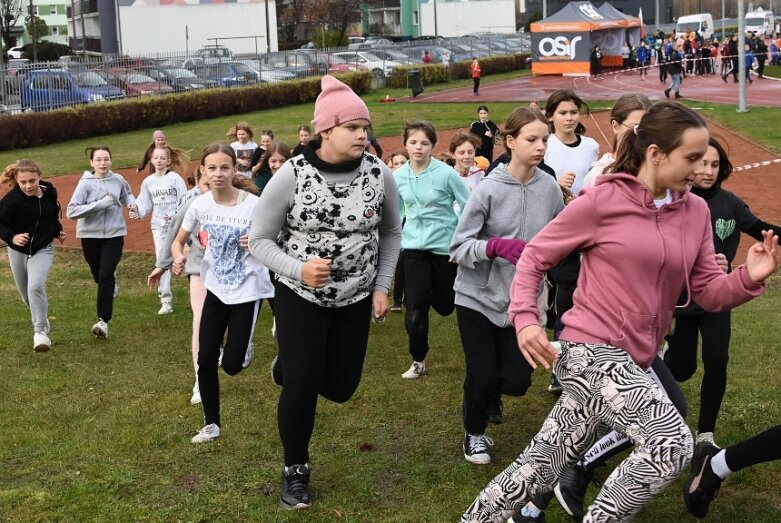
{"points": [[719, 465], [530, 510]]}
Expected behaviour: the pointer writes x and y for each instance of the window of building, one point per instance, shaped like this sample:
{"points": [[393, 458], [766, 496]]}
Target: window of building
{"points": [[52, 9], [414, 18], [32, 10], [55, 31]]}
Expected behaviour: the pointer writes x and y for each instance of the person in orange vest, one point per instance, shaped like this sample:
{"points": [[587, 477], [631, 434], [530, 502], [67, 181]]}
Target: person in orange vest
{"points": [[474, 69]]}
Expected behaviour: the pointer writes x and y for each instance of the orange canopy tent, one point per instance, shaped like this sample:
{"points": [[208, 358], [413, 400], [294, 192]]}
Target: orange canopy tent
{"points": [[562, 43]]}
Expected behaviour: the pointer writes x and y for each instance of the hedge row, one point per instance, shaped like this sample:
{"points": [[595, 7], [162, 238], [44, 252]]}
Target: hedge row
{"points": [[438, 73], [84, 121]]}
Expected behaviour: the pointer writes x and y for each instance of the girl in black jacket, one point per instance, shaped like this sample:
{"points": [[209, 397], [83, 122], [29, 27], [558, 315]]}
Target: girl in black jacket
{"points": [[29, 222]]}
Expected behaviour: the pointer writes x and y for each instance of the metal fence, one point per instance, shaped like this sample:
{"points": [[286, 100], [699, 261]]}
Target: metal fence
{"points": [[41, 86]]}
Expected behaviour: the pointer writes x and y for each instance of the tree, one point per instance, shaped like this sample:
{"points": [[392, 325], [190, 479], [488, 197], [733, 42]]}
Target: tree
{"points": [[36, 28], [339, 14], [291, 14], [10, 11]]}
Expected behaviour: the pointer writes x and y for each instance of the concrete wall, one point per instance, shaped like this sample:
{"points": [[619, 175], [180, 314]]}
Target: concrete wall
{"points": [[152, 29], [460, 18]]}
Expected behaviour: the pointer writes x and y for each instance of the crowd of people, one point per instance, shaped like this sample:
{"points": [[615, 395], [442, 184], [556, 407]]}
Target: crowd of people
{"points": [[531, 240]]}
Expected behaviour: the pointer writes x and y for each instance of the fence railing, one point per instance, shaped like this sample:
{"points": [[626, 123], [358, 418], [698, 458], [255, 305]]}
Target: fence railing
{"points": [[41, 86]]}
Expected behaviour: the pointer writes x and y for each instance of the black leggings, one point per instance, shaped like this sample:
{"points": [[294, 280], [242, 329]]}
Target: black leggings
{"points": [[430, 278], [476, 86], [102, 256], [399, 281], [565, 274], [681, 358], [321, 352], [765, 446], [239, 320], [493, 363]]}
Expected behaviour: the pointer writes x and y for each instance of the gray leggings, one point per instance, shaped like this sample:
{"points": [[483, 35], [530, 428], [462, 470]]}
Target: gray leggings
{"points": [[603, 387], [30, 273]]}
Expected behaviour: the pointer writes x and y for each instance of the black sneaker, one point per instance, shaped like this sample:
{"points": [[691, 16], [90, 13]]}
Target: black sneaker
{"points": [[667, 93], [276, 371], [571, 490], [555, 386], [703, 484], [396, 307], [495, 410], [295, 488], [476, 448]]}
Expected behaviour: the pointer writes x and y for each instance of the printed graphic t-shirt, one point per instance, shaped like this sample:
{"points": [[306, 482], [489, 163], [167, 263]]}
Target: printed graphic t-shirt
{"points": [[228, 271]]}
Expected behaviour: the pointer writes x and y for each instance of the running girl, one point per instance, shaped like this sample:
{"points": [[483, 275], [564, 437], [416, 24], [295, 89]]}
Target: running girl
{"points": [[243, 147], [618, 320], [97, 204], [463, 147], [29, 223], [235, 282], [158, 139], [328, 226], [304, 135], [486, 131], [277, 153], [428, 190], [160, 193]]}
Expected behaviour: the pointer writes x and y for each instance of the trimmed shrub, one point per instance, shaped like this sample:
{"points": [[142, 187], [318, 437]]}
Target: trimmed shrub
{"points": [[84, 121], [438, 73]]}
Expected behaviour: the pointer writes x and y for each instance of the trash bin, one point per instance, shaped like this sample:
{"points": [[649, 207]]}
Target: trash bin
{"points": [[415, 82]]}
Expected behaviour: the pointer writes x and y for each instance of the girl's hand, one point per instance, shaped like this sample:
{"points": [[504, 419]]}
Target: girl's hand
{"points": [[535, 347], [20, 240], [722, 262], [380, 306], [153, 280], [762, 258], [62, 236], [316, 272], [244, 242], [567, 179], [133, 213], [178, 265]]}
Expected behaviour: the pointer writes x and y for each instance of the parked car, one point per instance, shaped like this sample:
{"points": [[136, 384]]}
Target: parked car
{"points": [[45, 89], [416, 53], [133, 82], [266, 74], [227, 74], [179, 79], [215, 51], [394, 55], [15, 52], [14, 68], [370, 43], [301, 63], [337, 64], [374, 63]]}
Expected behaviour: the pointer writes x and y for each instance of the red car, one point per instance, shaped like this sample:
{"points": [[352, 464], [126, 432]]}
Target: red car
{"points": [[133, 82], [337, 64]]}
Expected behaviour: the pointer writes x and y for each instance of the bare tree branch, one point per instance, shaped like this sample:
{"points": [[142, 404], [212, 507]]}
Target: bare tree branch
{"points": [[10, 11]]}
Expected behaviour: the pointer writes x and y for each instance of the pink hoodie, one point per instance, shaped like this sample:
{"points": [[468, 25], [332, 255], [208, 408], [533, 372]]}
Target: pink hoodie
{"points": [[637, 260]]}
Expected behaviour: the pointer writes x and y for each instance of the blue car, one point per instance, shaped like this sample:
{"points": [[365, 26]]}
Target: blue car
{"points": [[45, 89]]}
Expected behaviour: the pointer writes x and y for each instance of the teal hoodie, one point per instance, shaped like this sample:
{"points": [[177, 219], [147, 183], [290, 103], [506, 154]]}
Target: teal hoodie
{"points": [[427, 201], [503, 207]]}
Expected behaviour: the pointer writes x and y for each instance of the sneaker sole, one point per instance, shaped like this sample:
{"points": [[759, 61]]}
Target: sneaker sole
{"points": [[100, 335], [560, 498], [478, 460], [196, 441], [41, 348], [297, 506], [416, 376]]}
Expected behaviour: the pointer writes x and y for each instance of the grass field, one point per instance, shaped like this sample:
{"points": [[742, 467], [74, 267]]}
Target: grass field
{"points": [[99, 431]]}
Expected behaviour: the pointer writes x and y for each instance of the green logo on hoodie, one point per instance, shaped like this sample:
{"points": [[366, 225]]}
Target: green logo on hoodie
{"points": [[724, 228]]}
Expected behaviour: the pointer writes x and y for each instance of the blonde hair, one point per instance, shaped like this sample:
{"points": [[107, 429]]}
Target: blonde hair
{"points": [[10, 172], [178, 159], [241, 126]]}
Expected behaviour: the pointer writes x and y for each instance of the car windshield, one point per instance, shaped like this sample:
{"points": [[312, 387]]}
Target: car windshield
{"points": [[688, 27], [90, 79], [334, 59], [371, 57], [181, 73], [135, 78]]}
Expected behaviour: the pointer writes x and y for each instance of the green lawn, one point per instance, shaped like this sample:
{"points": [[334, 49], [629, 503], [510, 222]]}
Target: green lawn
{"points": [[99, 431]]}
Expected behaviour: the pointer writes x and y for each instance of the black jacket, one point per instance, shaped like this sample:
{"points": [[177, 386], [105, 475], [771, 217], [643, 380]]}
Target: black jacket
{"points": [[40, 217]]}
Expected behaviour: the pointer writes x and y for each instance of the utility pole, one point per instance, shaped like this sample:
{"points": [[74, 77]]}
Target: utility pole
{"points": [[34, 28]]}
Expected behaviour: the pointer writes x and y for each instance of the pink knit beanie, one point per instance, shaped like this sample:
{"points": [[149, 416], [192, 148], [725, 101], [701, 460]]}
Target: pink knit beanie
{"points": [[337, 104], [158, 134]]}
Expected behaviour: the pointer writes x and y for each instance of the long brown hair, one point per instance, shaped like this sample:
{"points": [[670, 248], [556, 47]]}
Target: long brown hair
{"points": [[8, 175], [274, 147], [564, 95], [517, 120], [662, 125]]}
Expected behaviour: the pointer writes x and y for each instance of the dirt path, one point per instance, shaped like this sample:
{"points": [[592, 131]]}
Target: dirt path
{"points": [[759, 187]]}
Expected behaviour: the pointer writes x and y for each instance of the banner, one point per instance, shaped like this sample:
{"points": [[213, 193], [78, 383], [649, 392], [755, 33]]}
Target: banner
{"points": [[560, 47]]}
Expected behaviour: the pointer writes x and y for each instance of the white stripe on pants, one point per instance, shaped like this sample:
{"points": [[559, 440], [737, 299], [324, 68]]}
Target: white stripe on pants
{"points": [[164, 287], [30, 273]]}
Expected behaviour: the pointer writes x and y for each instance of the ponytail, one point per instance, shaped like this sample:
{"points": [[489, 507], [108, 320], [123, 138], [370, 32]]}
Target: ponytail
{"points": [[8, 176]]}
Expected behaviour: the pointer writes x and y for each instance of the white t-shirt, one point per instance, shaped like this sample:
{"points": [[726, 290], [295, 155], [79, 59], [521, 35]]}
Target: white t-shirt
{"points": [[473, 178], [160, 194], [228, 271], [244, 152], [577, 158]]}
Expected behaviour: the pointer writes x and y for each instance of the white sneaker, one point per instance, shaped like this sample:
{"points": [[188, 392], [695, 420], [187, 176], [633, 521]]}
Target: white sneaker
{"points": [[208, 433], [165, 309], [100, 329], [195, 399], [705, 437], [416, 370], [248, 356], [41, 342]]}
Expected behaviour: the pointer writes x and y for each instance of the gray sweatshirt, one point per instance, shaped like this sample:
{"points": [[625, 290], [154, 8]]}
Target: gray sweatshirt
{"points": [[502, 207], [165, 258], [97, 205]]}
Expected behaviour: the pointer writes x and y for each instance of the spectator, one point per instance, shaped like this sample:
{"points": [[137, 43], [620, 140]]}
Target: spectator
{"points": [[475, 71]]}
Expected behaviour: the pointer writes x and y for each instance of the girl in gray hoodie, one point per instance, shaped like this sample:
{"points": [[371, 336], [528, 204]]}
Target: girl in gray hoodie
{"points": [[504, 212], [97, 204]]}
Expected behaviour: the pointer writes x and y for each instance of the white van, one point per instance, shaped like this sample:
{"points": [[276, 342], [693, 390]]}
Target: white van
{"points": [[702, 23], [760, 22]]}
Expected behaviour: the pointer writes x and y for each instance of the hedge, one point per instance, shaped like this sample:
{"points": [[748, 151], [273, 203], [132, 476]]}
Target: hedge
{"points": [[438, 73], [84, 121]]}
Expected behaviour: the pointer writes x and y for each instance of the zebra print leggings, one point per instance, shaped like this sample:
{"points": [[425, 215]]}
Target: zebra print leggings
{"points": [[603, 388]]}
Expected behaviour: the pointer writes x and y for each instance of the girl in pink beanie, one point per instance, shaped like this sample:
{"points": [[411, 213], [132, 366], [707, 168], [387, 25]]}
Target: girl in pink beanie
{"points": [[328, 224], [158, 140]]}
